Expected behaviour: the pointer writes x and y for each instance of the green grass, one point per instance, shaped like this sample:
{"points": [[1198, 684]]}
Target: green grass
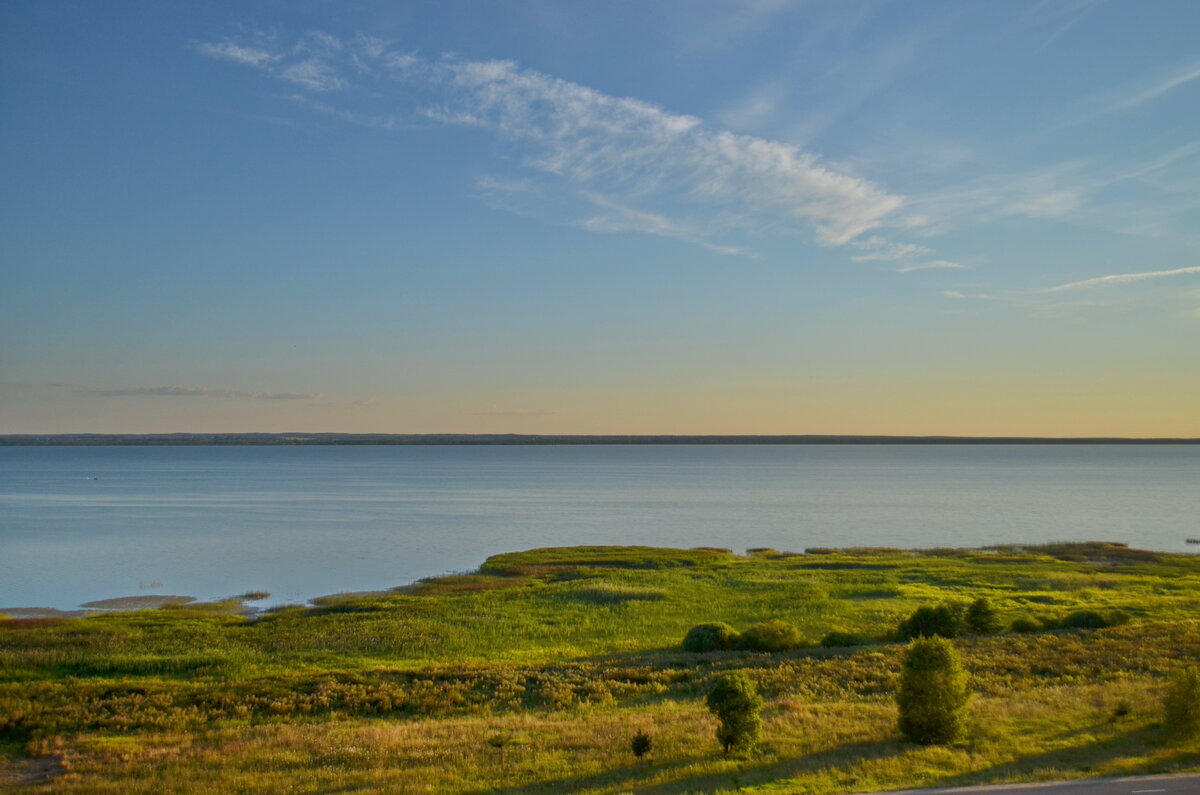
{"points": [[536, 672]]}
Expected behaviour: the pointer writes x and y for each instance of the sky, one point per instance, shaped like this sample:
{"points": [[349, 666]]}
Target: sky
{"points": [[598, 216]]}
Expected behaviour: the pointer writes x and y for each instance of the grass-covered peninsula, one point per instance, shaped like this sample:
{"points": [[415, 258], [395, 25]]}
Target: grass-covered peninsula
{"points": [[537, 672]]}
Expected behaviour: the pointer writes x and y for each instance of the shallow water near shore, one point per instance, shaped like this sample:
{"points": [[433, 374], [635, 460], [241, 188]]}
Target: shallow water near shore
{"points": [[84, 523]]}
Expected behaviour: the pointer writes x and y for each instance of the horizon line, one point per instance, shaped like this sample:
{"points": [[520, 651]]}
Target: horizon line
{"points": [[301, 438]]}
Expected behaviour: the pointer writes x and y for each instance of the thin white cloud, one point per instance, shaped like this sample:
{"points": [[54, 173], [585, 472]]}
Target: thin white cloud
{"points": [[615, 217], [879, 248], [669, 171], [1170, 83], [953, 294], [933, 265], [200, 391], [1053, 204], [1120, 278], [313, 74], [228, 51]]}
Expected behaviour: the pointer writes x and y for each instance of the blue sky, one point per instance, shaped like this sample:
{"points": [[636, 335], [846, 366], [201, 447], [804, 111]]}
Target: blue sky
{"points": [[601, 217]]}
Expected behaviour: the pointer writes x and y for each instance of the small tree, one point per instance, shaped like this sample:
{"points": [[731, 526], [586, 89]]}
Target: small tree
{"points": [[926, 622], [718, 636], [736, 703], [982, 618], [641, 744], [933, 692], [1182, 703]]}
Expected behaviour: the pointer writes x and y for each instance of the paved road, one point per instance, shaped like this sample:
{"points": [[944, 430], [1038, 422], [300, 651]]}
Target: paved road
{"points": [[1136, 785]]}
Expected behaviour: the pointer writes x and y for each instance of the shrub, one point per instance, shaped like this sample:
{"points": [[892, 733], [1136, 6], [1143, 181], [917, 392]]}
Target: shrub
{"points": [[1118, 618], [1091, 619], [736, 703], [927, 622], [1025, 624], [982, 618], [710, 637], [774, 635], [1084, 619], [838, 639], [933, 692], [641, 744], [1049, 623], [1182, 703]]}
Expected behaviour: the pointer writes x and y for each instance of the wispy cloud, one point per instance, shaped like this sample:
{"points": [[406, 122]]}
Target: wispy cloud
{"points": [[879, 248], [936, 264], [200, 391], [615, 217], [1119, 278], [670, 174], [238, 53], [313, 75], [1159, 88]]}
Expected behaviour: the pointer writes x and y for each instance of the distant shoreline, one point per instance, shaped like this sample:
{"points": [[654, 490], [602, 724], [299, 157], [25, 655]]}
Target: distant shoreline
{"points": [[302, 439]]}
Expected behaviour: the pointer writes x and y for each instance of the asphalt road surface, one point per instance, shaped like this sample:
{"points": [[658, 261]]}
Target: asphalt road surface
{"points": [[1140, 785]]}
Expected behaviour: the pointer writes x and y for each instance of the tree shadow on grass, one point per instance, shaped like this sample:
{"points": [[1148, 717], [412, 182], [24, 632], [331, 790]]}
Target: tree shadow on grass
{"points": [[637, 777], [624, 778], [1088, 759], [752, 774]]}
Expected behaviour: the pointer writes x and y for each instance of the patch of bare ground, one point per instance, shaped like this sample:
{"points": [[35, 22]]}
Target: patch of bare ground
{"points": [[32, 771]]}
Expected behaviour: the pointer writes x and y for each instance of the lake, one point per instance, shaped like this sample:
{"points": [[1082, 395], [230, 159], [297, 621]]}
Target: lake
{"points": [[84, 523]]}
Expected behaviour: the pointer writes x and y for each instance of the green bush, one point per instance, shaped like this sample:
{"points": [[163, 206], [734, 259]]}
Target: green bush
{"points": [[982, 618], [933, 692], [774, 635], [838, 639], [717, 636], [1118, 618], [641, 744], [1025, 624], [1182, 703], [736, 703], [1092, 619], [942, 621]]}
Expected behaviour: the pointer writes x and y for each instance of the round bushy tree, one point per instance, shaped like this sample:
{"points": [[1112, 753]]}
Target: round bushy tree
{"points": [[926, 622], [777, 635], [736, 703], [1084, 619], [933, 692], [1182, 703], [982, 618], [710, 637], [1025, 624]]}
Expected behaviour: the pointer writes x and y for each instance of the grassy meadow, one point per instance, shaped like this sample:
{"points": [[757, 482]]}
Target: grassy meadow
{"points": [[534, 673]]}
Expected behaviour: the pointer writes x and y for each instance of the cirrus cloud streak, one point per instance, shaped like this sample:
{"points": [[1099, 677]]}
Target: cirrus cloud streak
{"points": [[1119, 278], [643, 167], [200, 391]]}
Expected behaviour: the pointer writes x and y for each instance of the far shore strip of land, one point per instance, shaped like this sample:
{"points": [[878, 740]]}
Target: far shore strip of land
{"points": [[296, 439]]}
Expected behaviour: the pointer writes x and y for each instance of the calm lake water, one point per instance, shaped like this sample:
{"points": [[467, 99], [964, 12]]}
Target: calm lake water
{"points": [[84, 523]]}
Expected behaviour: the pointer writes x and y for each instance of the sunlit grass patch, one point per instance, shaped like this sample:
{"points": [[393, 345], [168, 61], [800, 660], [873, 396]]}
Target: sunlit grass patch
{"points": [[615, 593], [546, 559]]}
